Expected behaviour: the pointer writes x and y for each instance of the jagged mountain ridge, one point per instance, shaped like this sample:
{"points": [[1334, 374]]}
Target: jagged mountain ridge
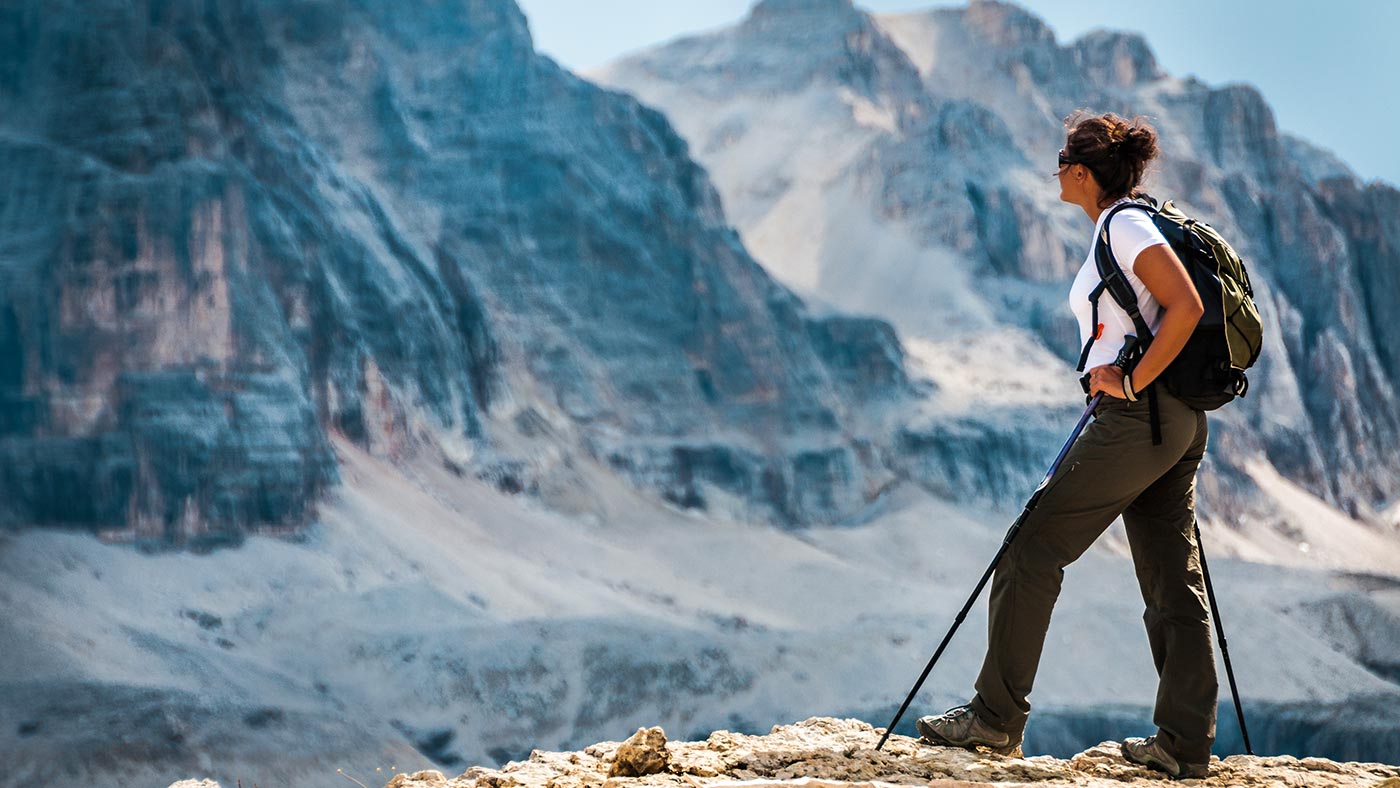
{"points": [[929, 205], [403, 225]]}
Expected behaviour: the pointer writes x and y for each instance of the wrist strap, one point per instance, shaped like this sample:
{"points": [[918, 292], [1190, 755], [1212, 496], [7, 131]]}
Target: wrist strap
{"points": [[1128, 387]]}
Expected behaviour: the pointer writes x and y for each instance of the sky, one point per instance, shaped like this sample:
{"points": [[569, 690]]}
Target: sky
{"points": [[1328, 69]]}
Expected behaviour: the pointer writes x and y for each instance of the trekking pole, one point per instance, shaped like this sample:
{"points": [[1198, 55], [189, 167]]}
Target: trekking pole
{"points": [[1220, 634], [1125, 357]]}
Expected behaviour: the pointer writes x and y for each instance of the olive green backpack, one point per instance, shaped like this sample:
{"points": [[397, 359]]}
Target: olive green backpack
{"points": [[1209, 370]]}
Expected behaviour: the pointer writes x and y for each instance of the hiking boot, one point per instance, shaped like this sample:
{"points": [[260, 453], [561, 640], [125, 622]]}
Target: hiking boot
{"points": [[1147, 752], [961, 727]]}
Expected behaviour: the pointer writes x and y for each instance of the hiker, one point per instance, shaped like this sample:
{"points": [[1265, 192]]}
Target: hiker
{"points": [[1137, 459]]}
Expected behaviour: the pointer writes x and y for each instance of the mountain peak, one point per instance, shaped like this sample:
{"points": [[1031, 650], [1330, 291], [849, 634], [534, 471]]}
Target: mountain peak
{"points": [[1113, 57], [805, 7], [802, 19], [1007, 24]]}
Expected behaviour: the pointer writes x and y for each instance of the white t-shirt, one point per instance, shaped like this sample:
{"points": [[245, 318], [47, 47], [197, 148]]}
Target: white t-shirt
{"points": [[1131, 232]]}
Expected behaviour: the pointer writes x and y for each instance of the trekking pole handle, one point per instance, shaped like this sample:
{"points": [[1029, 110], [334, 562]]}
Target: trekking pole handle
{"points": [[1127, 355], [1127, 359]]}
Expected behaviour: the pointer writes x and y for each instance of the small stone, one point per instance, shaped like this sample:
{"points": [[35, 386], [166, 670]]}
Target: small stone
{"points": [[721, 741], [421, 779], [600, 750], [645, 753], [424, 778], [490, 778]]}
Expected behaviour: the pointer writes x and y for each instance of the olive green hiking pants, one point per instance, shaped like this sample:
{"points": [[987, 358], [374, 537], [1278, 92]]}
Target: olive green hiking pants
{"points": [[1114, 469]]}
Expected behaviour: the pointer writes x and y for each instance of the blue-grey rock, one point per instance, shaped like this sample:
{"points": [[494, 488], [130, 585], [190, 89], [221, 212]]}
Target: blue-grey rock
{"points": [[231, 229]]}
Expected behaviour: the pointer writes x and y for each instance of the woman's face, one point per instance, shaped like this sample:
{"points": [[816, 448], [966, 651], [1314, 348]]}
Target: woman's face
{"points": [[1071, 178]]}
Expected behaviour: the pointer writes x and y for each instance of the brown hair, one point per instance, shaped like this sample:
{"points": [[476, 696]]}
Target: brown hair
{"points": [[1116, 150]]}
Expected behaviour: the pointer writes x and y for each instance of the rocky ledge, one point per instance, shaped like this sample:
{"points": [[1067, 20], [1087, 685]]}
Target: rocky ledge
{"points": [[829, 753]]}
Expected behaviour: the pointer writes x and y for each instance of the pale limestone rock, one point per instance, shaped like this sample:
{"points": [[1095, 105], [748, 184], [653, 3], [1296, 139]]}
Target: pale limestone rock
{"points": [[829, 753]]}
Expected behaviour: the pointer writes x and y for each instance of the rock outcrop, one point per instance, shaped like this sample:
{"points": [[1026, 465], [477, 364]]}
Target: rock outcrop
{"points": [[643, 754], [832, 753]]}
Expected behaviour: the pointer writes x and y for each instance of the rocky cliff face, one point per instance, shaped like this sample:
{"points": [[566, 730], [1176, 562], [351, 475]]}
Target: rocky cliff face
{"points": [[935, 185], [228, 229]]}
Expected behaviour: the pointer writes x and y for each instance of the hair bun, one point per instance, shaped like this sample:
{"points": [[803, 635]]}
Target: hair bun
{"points": [[1139, 142]]}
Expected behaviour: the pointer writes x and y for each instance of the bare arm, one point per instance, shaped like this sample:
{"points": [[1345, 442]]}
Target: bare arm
{"points": [[1166, 279]]}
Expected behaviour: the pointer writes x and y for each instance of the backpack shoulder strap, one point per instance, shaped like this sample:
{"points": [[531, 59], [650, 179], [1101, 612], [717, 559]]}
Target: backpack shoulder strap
{"points": [[1111, 274], [1111, 279]]}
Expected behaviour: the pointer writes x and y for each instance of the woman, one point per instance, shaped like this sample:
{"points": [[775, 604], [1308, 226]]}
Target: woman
{"points": [[1114, 468]]}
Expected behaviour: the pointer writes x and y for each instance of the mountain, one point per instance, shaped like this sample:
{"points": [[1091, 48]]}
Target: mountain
{"points": [[897, 165], [232, 229]]}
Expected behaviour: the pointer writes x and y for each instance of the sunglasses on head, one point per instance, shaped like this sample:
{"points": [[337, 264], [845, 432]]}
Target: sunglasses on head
{"points": [[1066, 159]]}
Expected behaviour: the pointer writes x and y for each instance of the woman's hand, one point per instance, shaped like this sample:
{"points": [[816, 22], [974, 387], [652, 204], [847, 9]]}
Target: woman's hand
{"points": [[1107, 379]]}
